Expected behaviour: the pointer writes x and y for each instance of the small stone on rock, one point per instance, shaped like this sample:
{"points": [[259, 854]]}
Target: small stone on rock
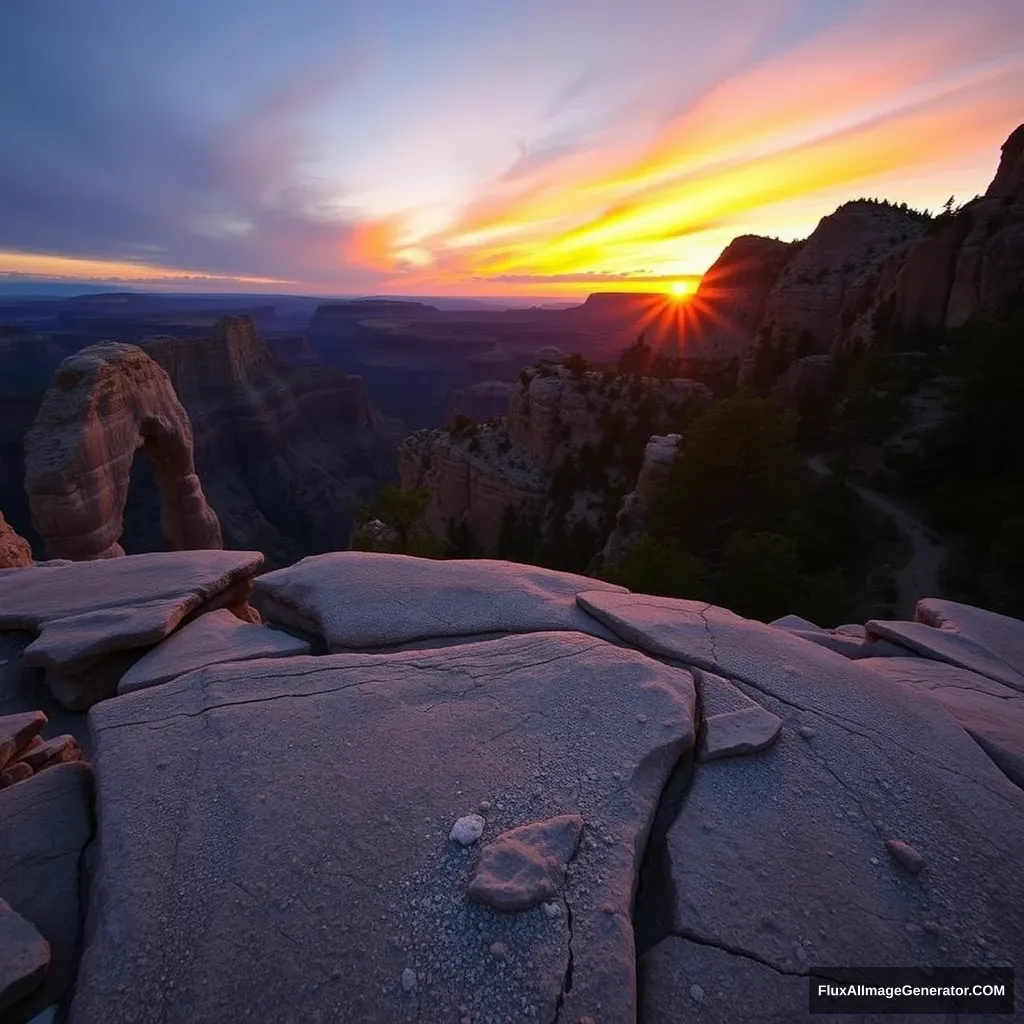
{"points": [[468, 829], [408, 979], [697, 993], [906, 855], [807, 732], [499, 951], [484, 806]]}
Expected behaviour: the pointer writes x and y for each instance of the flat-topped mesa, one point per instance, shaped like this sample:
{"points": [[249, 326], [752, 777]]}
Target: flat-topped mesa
{"points": [[106, 402]]}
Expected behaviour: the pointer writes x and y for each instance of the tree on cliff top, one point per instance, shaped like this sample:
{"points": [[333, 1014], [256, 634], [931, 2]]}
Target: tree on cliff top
{"points": [[396, 524]]}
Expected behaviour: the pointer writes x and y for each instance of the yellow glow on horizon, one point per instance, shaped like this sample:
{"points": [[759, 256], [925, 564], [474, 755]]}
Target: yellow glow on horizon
{"points": [[682, 289], [38, 265]]}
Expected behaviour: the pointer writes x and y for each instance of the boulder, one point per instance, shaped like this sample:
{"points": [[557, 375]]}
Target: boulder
{"points": [[58, 750], [747, 731], [526, 865], [16, 731], [210, 639], [452, 598], [951, 645], [45, 825], [106, 402], [235, 871], [15, 552], [24, 957], [783, 860], [94, 618]]}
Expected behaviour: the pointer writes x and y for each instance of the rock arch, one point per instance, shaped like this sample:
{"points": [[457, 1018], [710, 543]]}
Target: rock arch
{"points": [[105, 403]]}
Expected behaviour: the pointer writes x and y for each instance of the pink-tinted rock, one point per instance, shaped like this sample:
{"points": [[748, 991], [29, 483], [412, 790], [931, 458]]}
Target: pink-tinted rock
{"points": [[59, 750], [16, 731], [738, 732], [15, 552], [106, 402], [526, 865]]}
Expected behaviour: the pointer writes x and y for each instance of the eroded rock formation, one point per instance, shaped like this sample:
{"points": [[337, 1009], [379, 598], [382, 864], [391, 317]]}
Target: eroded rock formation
{"points": [[631, 518], [106, 402], [286, 453], [657, 805], [556, 419]]}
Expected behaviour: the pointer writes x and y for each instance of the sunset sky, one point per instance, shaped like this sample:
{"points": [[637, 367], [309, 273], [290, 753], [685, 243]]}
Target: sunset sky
{"points": [[476, 147]]}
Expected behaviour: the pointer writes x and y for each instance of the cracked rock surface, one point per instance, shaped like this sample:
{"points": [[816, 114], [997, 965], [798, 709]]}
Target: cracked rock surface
{"points": [[396, 599], [89, 615], [989, 711], [272, 835], [211, 639], [782, 860], [45, 826]]}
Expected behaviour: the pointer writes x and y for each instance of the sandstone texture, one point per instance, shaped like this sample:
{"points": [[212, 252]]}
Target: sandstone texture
{"points": [[15, 552], [106, 402], [397, 599], [92, 619], [288, 881], [556, 420], [45, 825], [783, 860], [526, 865], [210, 639], [286, 453], [507, 793]]}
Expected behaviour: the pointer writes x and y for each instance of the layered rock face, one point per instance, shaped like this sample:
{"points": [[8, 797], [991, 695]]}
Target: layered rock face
{"points": [[288, 452], [553, 416], [472, 486], [106, 402], [865, 268], [596, 805], [630, 521]]}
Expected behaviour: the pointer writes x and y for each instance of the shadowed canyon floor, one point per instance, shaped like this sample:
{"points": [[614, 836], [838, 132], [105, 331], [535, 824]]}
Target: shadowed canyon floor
{"points": [[493, 793]]}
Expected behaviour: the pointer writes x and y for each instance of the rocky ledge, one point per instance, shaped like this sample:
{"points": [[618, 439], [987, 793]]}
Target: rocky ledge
{"points": [[495, 793]]}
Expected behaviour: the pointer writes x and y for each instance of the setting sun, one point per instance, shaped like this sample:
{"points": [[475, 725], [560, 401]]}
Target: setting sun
{"points": [[682, 289]]}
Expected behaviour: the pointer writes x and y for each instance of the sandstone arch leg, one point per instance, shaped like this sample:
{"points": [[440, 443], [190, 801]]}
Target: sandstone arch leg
{"points": [[106, 402]]}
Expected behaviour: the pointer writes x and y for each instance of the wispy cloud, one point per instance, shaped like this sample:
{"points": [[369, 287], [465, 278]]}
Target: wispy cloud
{"points": [[482, 148]]}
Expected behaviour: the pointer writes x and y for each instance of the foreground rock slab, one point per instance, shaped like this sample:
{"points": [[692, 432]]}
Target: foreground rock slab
{"points": [[45, 824], [999, 634], [783, 859], [86, 612], [254, 855], [990, 712], [211, 639], [951, 646], [24, 957], [395, 599], [748, 731]]}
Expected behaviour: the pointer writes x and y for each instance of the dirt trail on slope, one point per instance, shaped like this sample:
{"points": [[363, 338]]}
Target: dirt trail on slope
{"points": [[919, 577]]}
